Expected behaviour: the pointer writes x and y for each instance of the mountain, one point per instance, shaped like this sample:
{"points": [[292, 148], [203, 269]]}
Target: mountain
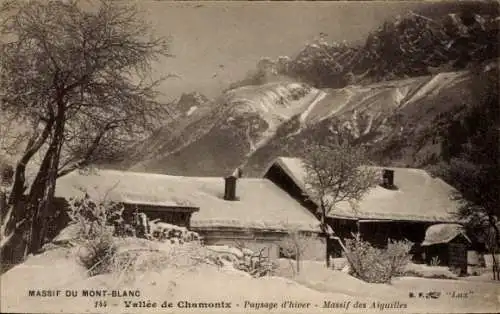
{"points": [[239, 121], [184, 114], [406, 46], [406, 93], [402, 121], [188, 103]]}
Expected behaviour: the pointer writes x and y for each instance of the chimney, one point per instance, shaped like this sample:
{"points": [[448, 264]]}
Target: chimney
{"points": [[230, 188], [388, 178], [6, 175], [230, 185]]}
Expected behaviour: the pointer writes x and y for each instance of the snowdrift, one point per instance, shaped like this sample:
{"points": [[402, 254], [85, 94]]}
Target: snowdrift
{"points": [[188, 286]]}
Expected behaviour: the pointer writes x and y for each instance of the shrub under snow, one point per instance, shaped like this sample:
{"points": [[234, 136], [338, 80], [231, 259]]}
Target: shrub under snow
{"points": [[376, 265]]}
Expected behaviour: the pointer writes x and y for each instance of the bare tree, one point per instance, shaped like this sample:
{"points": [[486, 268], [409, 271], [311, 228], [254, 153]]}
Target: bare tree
{"points": [[478, 198], [336, 172], [471, 161], [80, 79], [293, 246]]}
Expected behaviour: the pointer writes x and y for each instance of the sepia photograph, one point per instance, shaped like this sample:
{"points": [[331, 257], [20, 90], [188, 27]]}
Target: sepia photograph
{"points": [[249, 156]]}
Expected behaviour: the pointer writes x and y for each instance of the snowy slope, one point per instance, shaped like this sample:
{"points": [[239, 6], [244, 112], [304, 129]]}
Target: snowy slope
{"points": [[249, 126]]}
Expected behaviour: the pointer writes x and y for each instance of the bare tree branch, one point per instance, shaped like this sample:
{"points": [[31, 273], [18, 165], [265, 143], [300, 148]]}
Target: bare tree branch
{"points": [[82, 78], [336, 173]]}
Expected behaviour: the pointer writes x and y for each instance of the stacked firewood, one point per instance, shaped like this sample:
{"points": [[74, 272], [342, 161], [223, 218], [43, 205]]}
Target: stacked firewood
{"points": [[257, 264], [165, 232]]}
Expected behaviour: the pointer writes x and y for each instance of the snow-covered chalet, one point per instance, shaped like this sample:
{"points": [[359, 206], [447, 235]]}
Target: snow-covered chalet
{"points": [[403, 206], [252, 212]]}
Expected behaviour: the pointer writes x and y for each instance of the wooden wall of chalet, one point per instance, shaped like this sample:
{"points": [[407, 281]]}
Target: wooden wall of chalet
{"points": [[458, 255], [452, 254], [343, 228], [377, 233], [256, 240], [179, 216]]}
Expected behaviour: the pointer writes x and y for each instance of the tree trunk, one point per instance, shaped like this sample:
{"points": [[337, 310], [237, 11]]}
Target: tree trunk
{"points": [[327, 255], [342, 245], [12, 239], [324, 228], [37, 193], [43, 188], [9, 233], [5, 215], [493, 247], [34, 145], [11, 208], [47, 205], [494, 266], [42, 203], [18, 187], [3, 205], [325, 231], [297, 257], [358, 231], [7, 227], [16, 214]]}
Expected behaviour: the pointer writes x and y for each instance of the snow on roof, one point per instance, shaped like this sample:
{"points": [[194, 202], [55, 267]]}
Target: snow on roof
{"points": [[419, 196], [443, 233], [261, 204]]}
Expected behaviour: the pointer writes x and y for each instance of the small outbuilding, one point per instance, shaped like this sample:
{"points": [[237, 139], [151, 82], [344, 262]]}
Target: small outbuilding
{"points": [[447, 245]]}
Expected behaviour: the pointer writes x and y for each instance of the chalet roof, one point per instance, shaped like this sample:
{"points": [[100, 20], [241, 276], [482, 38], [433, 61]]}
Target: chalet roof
{"points": [[261, 204], [419, 197], [443, 233]]}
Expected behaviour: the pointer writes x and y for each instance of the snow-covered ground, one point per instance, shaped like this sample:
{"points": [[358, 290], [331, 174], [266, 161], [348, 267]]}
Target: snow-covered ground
{"points": [[467, 295], [180, 286]]}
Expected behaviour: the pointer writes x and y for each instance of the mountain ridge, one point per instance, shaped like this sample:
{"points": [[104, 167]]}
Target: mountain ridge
{"points": [[390, 93], [278, 116]]}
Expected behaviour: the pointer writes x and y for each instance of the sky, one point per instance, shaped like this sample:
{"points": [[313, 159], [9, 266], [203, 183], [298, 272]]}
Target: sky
{"points": [[217, 43]]}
